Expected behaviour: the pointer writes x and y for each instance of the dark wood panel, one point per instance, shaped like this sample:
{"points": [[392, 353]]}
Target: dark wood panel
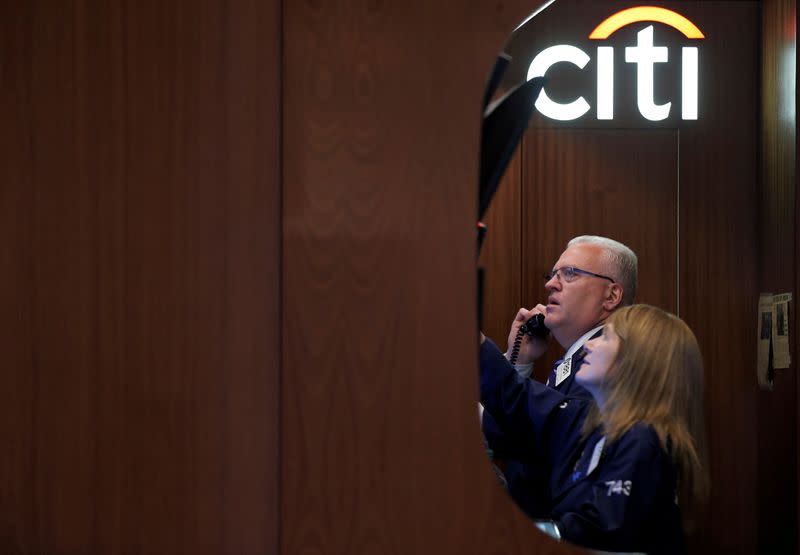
{"points": [[17, 377], [577, 182], [794, 305], [501, 252], [777, 443], [140, 205], [718, 295], [381, 446]]}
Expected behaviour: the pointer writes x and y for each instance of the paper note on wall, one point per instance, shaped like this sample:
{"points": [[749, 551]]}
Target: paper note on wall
{"points": [[764, 368], [781, 357]]}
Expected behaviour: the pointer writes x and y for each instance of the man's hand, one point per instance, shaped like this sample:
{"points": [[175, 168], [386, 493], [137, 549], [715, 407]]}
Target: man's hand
{"points": [[531, 348]]}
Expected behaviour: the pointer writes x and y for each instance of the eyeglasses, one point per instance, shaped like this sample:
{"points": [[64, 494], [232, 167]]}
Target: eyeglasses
{"points": [[569, 273]]}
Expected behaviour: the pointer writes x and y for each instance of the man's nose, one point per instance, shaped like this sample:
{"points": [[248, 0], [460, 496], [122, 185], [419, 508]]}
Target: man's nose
{"points": [[553, 283]]}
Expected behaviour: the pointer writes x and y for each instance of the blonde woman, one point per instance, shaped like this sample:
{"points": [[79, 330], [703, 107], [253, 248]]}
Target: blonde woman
{"points": [[627, 467]]}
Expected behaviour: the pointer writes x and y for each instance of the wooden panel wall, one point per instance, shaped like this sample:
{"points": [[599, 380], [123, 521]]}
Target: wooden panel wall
{"points": [[139, 216], [502, 249], [777, 433], [794, 309], [576, 183], [719, 183], [382, 450]]}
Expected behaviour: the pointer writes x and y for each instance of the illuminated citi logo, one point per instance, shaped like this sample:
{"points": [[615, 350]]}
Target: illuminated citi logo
{"points": [[645, 55]]}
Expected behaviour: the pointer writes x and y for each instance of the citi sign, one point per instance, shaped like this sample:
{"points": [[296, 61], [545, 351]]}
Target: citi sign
{"points": [[645, 55]]}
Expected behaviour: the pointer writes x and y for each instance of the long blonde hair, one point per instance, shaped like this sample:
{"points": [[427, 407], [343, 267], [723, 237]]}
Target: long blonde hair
{"points": [[657, 379]]}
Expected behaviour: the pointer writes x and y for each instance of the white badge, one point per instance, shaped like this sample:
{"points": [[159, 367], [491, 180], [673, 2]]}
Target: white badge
{"points": [[598, 450], [563, 371]]}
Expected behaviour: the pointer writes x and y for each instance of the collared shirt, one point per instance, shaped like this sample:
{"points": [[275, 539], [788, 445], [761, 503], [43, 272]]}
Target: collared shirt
{"points": [[525, 370], [582, 341], [567, 367]]}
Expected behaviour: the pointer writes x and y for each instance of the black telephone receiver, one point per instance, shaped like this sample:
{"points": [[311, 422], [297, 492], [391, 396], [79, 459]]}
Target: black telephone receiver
{"points": [[534, 328]]}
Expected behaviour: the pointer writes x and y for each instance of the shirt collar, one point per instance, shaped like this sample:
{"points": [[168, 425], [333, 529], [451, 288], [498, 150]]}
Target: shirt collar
{"points": [[581, 340]]}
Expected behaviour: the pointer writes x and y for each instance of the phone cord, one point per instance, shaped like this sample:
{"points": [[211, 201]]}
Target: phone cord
{"points": [[517, 344]]}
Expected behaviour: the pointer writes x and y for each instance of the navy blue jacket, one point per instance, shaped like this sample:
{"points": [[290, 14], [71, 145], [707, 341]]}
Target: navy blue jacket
{"points": [[528, 482], [624, 500]]}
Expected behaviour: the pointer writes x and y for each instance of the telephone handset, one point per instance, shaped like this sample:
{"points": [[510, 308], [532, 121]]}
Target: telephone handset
{"points": [[534, 328]]}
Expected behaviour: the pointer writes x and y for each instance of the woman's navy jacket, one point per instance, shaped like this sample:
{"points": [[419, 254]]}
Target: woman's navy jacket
{"points": [[617, 497]]}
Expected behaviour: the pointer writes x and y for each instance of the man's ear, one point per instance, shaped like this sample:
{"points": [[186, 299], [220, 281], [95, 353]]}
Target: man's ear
{"points": [[613, 297]]}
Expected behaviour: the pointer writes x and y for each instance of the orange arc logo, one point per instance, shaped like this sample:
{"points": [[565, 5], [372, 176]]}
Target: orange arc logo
{"points": [[646, 13]]}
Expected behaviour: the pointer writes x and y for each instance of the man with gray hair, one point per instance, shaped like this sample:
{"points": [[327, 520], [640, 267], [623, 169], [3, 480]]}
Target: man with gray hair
{"points": [[592, 278]]}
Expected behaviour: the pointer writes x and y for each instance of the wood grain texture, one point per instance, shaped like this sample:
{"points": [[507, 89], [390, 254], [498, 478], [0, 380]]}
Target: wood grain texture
{"points": [[719, 183], [777, 452], [794, 309], [140, 213], [140, 223], [502, 253], [576, 183], [381, 447]]}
